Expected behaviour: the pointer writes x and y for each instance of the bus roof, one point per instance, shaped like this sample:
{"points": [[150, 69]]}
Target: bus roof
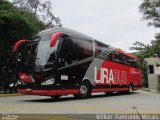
{"points": [[65, 31], [80, 35]]}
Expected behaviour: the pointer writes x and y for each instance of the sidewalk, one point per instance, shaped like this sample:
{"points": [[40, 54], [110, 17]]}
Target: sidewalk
{"points": [[154, 91], [10, 94]]}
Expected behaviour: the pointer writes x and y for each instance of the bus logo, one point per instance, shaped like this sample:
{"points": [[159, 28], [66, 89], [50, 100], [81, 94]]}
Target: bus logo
{"points": [[109, 76]]}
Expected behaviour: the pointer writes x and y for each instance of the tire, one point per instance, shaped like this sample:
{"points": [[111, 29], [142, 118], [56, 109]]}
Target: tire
{"points": [[130, 89], [56, 97], [109, 93], [85, 91]]}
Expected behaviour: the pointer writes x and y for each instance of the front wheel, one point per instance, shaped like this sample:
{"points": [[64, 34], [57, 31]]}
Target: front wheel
{"points": [[85, 91], [109, 93]]}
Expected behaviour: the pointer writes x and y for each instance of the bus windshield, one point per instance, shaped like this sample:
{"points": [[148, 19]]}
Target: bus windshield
{"points": [[39, 53]]}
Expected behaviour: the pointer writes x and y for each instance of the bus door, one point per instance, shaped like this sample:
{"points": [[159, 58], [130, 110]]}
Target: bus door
{"points": [[64, 63]]}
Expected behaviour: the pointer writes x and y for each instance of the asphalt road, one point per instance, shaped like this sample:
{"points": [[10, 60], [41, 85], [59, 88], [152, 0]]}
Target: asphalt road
{"points": [[140, 102]]}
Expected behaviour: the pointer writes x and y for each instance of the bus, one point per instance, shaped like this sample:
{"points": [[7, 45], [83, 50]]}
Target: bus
{"points": [[60, 61]]}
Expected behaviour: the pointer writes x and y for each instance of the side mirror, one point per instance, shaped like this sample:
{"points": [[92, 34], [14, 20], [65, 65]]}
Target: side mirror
{"points": [[17, 44], [54, 38]]}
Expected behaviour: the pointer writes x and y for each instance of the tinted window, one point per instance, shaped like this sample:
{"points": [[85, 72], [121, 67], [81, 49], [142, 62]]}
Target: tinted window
{"points": [[82, 49], [123, 59], [109, 57], [100, 47], [65, 52], [118, 57]]}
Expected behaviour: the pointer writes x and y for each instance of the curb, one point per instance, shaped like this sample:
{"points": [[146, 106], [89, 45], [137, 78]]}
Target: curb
{"points": [[7, 95], [145, 89]]}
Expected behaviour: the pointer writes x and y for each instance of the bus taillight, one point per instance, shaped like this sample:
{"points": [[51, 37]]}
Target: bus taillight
{"points": [[54, 38]]}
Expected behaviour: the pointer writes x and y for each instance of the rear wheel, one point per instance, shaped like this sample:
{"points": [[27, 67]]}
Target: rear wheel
{"points": [[85, 91], [109, 93], [56, 96]]}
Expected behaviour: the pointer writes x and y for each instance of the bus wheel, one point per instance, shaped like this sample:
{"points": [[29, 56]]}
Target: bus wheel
{"points": [[109, 93], [85, 91], [130, 89], [56, 97]]}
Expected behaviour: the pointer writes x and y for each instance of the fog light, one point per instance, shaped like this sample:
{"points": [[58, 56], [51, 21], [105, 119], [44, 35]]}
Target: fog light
{"points": [[48, 82]]}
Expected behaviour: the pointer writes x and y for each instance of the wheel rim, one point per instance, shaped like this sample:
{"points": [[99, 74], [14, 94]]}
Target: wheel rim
{"points": [[83, 89]]}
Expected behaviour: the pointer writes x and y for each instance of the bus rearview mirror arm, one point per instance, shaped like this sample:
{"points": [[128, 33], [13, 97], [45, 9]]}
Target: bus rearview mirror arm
{"points": [[17, 44], [55, 37]]}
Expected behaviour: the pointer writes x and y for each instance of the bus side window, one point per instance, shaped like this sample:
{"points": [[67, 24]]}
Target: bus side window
{"points": [[113, 55], [132, 62], [127, 61], [117, 57], [109, 57], [99, 47], [65, 52], [121, 58], [97, 50], [82, 49], [136, 64]]}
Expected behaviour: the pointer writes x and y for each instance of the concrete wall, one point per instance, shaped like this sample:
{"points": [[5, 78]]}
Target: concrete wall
{"points": [[152, 60], [153, 82], [153, 79]]}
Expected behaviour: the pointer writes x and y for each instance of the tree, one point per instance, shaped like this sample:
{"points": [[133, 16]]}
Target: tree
{"points": [[151, 12], [147, 50], [41, 10], [15, 25]]}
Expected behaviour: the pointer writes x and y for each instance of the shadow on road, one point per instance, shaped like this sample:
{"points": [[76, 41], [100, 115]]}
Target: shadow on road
{"points": [[66, 98]]}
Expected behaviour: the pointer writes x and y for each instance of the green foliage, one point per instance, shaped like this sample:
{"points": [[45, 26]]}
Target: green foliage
{"points": [[151, 12], [156, 45], [15, 24], [42, 10], [142, 50], [147, 50]]}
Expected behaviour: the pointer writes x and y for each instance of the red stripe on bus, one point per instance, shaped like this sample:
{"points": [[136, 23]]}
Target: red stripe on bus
{"points": [[109, 90], [48, 92]]}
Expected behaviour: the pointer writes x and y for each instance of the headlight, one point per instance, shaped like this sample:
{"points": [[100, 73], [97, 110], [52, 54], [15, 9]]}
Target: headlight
{"points": [[19, 83], [48, 82]]}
